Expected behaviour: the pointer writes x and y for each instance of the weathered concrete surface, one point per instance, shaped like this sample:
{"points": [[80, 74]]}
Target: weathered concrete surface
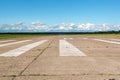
{"points": [[6, 78], [66, 77], [13, 66], [96, 48], [44, 63]]}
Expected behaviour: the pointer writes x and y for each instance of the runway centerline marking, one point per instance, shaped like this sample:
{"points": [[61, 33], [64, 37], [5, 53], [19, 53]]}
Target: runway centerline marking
{"points": [[23, 49], [7, 44], [7, 40], [67, 49], [107, 41]]}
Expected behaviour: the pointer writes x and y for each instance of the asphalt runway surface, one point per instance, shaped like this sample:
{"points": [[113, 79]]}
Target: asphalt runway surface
{"points": [[60, 57]]}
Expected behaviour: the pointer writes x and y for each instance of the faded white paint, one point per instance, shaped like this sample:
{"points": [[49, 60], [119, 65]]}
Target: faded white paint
{"points": [[71, 38], [65, 38], [85, 38], [7, 40], [116, 39], [107, 41], [7, 44], [67, 49], [23, 49]]}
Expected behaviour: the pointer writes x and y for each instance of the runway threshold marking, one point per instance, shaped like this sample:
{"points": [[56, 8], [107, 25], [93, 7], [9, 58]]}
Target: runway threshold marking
{"points": [[68, 38], [107, 41], [67, 49], [7, 44], [7, 40], [71, 38], [23, 49], [85, 38], [116, 39], [65, 38]]}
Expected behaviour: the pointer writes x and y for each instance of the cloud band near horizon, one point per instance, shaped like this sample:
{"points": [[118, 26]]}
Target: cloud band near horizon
{"points": [[63, 27]]}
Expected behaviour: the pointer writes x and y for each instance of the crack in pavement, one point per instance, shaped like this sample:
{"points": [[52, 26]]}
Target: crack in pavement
{"points": [[62, 75], [14, 76]]}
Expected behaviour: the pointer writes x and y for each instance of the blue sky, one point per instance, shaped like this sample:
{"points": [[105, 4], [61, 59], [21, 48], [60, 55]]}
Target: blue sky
{"points": [[60, 12]]}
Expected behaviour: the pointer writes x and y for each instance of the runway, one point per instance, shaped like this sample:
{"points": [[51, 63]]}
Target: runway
{"points": [[60, 57]]}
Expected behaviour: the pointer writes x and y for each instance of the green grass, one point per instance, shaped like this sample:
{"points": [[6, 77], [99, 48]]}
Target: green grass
{"points": [[8, 36], [102, 35]]}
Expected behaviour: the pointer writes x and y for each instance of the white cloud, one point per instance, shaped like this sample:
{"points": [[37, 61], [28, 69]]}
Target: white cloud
{"points": [[72, 24], [88, 26], [103, 27], [118, 26], [36, 23], [39, 27], [62, 26], [66, 27]]}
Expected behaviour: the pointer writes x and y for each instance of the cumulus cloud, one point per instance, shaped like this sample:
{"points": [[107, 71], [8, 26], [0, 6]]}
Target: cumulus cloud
{"points": [[40, 27], [104, 27], [118, 27], [88, 26], [37, 26], [35, 23]]}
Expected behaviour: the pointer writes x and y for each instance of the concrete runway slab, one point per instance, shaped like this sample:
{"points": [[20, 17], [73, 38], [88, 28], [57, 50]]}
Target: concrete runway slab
{"points": [[67, 49], [5, 41], [56, 65], [44, 62], [6, 78], [67, 77], [96, 48], [12, 66], [23, 49]]}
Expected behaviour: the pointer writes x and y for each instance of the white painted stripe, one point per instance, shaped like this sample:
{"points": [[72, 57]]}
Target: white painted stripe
{"points": [[67, 49], [65, 38], [116, 39], [85, 38], [7, 40], [71, 38], [7, 44], [23, 49], [107, 41]]}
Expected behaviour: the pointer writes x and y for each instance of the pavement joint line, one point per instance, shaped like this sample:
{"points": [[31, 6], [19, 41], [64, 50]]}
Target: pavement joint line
{"points": [[32, 61], [23, 49], [66, 74], [12, 43], [61, 75]]}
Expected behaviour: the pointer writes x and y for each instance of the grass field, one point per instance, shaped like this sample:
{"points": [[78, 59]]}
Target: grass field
{"points": [[8, 36], [102, 35]]}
